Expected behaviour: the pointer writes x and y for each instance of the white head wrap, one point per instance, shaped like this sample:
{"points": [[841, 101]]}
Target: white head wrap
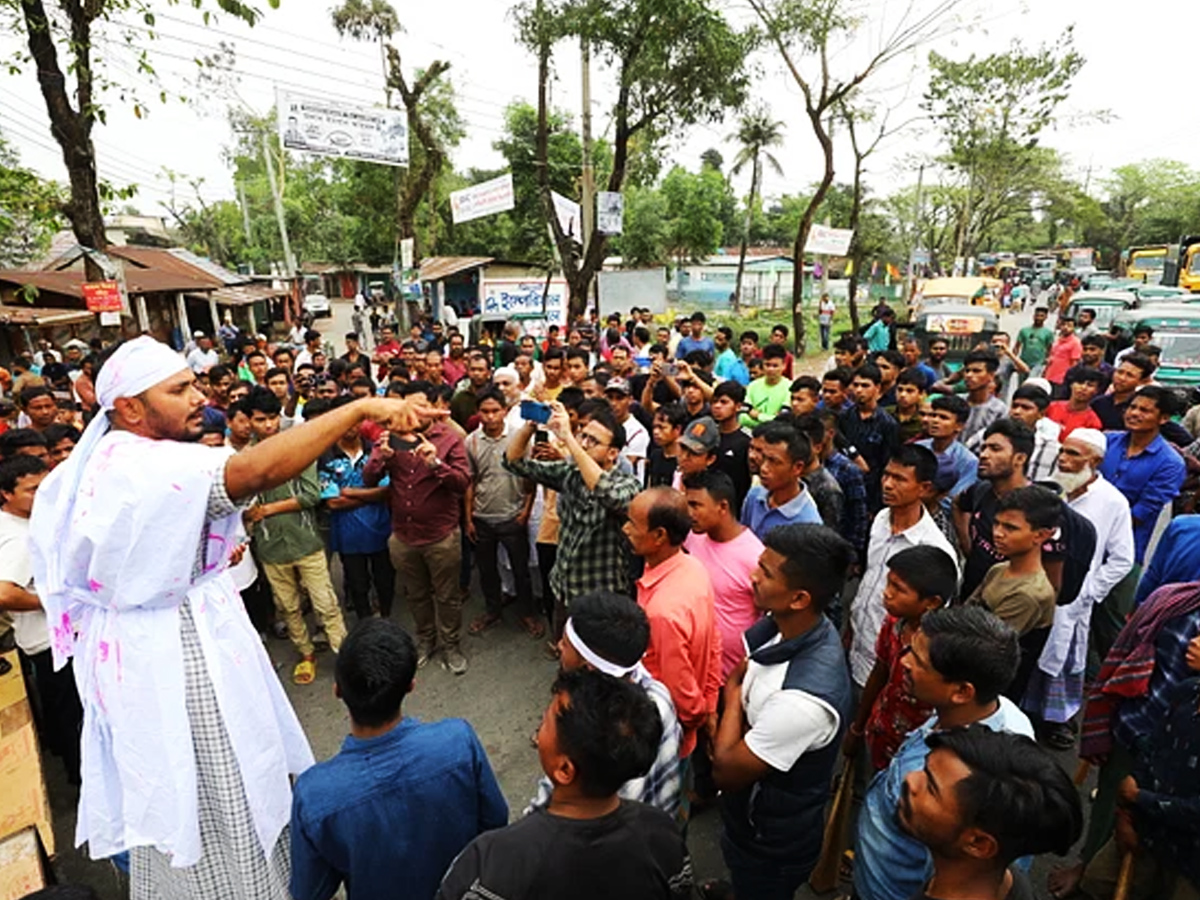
{"points": [[597, 662], [133, 368], [507, 372], [1041, 383], [1092, 437]]}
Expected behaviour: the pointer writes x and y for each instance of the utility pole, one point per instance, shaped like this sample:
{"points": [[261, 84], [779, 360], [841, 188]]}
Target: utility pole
{"points": [[589, 188], [916, 235], [289, 261], [245, 211]]}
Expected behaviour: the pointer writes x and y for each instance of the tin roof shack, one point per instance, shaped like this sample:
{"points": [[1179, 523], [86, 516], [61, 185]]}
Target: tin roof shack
{"points": [[494, 288]]}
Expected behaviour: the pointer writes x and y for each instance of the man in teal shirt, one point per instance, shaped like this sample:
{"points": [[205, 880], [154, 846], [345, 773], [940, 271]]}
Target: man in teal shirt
{"points": [[726, 358], [879, 335], [1034, 341]]}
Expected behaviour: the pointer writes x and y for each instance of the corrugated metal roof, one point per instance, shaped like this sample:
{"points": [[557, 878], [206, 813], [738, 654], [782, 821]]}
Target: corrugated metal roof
{"points": [[162, 263], [435, 268], [245, 294], [38, 316], [204, 264], [137, 281]]}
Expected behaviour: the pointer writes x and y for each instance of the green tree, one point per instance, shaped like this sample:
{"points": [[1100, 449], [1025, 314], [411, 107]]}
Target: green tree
{"points": [[30, 210], [676, 62], [693, 205], [644, 239], [74, 93], [812, 31], [757, 134], [991, 112]]}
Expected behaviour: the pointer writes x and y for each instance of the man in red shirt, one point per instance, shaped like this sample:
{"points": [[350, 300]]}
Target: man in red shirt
{"points": [[1076, 412], [429, 473], [386, 352], [1065, 352], [676, 593]]}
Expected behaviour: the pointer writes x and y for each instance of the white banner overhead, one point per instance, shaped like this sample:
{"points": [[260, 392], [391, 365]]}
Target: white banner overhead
{"points": [[334, 128], [570, 216], [828, 241], [484, 199]]}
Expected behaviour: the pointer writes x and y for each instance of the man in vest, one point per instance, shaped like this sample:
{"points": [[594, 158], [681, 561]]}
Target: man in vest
{"points": [[786, 709]]}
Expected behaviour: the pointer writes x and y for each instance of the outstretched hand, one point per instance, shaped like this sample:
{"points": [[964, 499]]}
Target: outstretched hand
{"points": [[403, 416]]}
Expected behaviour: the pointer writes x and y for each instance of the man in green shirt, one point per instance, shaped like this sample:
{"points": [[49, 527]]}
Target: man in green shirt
{"points": [[1033, 342], [766, 396], [286, 541]]}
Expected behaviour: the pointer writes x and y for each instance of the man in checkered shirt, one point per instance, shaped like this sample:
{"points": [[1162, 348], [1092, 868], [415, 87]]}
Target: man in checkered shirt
{"points": [[593, 496], [610, 632]]}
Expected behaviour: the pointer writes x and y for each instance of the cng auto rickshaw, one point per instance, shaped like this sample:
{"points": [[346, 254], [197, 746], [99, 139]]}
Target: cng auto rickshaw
{"points": [[961, 326]]}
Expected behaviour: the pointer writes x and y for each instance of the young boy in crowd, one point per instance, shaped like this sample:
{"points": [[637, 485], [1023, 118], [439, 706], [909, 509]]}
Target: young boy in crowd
{"points": [[910, 394], [835, 389], [920, 579], [669, 422], [1076, 411], [1018, 590], [806, 395]]}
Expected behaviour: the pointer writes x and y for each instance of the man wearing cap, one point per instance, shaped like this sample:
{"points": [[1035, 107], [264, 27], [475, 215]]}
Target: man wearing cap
{"points": [[188, 739], [1055, 690], [619, 394], [698, 446], [609, 632]]}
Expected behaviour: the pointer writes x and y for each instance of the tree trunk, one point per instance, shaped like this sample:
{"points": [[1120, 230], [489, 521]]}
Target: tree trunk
{"points": [[71, 129], [741, 269], [415, 184], [856, 252], [806, 222]]}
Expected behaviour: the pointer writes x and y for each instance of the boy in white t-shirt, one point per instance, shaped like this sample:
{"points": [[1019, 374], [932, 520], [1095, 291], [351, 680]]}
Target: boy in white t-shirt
{"points": [[55, 700]]}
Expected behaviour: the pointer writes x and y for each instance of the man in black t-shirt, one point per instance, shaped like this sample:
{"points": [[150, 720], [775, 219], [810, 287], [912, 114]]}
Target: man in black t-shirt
{"points": [[733, 454], [983, 800], [597, 733]]}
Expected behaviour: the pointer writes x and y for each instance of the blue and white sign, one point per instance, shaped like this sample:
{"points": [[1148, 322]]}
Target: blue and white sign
{"points": [[524, 298]]}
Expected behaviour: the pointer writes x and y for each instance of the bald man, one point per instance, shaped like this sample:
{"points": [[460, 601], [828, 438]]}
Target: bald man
{"points": [[677, 595], [188, 739]]}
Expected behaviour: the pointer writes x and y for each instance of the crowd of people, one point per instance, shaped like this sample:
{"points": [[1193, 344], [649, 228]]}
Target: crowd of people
{"points": [[757, 578]]}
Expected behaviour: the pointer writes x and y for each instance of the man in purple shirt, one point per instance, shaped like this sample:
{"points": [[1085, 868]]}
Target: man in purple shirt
{"points": [[428, 475]]}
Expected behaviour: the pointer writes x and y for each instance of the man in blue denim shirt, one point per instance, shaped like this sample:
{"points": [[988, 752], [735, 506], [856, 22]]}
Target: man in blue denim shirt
{"points": [[959, 662], [393, 809], [359, 520]]}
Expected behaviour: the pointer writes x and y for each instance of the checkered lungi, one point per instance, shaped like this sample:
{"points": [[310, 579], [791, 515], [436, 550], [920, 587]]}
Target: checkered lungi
{"points": [[232, 865]]}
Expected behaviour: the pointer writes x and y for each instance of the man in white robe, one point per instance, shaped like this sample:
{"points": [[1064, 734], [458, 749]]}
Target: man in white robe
{"points": [[188, 738], [1055, 692]]}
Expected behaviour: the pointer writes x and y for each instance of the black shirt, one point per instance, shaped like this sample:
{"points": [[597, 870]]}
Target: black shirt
{"points": [[660, 468], [876, 439], [633, 853], [733, 460]]}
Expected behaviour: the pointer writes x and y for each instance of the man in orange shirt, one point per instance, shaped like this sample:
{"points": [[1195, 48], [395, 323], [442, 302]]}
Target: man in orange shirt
{"points": [[675, 592]]}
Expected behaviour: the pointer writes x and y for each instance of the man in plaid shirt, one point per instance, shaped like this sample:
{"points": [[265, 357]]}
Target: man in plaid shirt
{"points": [[609, 632], [593, 496]]}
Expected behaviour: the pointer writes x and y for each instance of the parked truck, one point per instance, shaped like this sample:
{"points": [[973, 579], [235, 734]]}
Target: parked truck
{"points": [[1182, 266]]}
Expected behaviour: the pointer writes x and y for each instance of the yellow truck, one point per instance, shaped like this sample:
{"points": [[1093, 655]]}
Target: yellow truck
{"points": [[1146, 263], [1182, 268]]}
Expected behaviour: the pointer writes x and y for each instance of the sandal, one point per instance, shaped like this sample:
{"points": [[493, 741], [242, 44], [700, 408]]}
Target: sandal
{"points": [[533, 626], [305, 672], [484, 622], [1061, 738]]}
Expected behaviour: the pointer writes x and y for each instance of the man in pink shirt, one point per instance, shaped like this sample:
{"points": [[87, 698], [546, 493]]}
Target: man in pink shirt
{"points": [[677, 595], [1065, 352], [729, 552]]}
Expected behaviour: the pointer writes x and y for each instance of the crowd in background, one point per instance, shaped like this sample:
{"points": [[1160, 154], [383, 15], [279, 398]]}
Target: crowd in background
{"points": [[750, 571]]}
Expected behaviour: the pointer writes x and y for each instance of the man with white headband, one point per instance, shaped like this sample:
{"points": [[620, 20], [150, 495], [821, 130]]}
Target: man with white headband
{"points": [[188, 738], [609, 632], [1055, 691]]}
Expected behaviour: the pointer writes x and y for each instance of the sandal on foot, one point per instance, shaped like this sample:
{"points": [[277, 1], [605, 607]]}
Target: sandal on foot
{"points": [[533, 626], [483, 623], [305, 672]]}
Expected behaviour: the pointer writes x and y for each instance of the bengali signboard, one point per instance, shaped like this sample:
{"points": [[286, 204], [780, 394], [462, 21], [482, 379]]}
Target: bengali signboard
{"points": [[484, 199], [610, 212], [828, 241], [102, 296], [336, 128], [512, 298]]}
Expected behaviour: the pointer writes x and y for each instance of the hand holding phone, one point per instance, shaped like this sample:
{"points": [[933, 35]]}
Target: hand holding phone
{"points": [[533, 411]]}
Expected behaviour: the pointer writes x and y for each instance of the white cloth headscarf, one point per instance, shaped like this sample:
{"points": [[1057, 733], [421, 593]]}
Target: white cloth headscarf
{"points": [[134, 368], [1093, 438]]}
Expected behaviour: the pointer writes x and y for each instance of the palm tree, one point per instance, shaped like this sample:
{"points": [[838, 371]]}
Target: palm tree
{"points": [[756, 134]]}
